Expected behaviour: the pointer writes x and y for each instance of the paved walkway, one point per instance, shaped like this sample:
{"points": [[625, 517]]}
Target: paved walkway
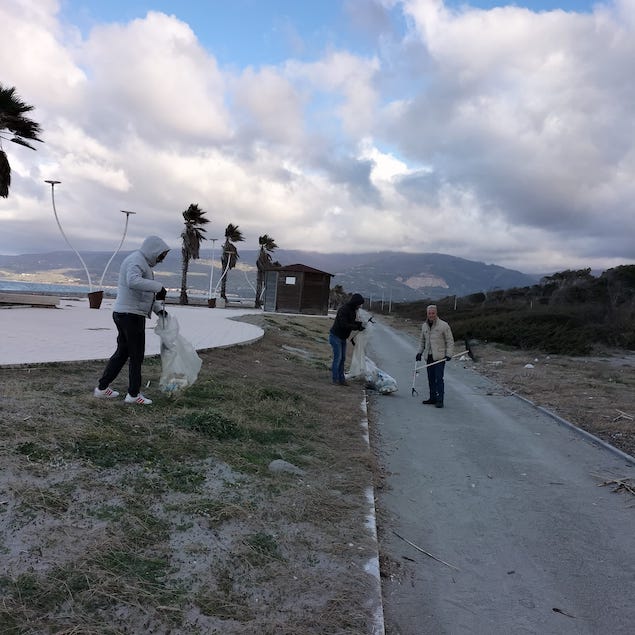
{"points": [[76, 332], [508, 499]]}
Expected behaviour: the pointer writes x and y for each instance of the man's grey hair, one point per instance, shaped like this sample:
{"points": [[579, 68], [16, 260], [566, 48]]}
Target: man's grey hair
{"points": [[431, 306]]}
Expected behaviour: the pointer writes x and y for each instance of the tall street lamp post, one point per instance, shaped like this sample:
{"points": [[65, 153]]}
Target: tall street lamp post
{"points": [[125, 231], [98, 296], [57, 220]]}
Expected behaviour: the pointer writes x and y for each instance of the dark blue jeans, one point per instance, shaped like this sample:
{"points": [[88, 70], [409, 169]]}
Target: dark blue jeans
{"points": [[131, 345], [435, 380], [339, 357]]}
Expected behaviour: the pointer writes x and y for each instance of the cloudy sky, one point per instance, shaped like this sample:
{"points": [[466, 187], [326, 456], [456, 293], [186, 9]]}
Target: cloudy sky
{"points": [[495, 132]]}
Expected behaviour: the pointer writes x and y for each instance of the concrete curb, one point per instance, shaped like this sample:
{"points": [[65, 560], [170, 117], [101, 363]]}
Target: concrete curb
{"points": [[583, 433], [372, 566]]}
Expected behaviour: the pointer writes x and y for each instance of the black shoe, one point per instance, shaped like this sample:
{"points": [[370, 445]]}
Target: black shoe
{"points": [[429, 401], [439, 404]]}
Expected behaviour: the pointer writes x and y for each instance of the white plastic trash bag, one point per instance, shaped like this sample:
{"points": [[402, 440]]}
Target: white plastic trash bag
{"points": [[363, 367], [358, 341], [180, 363], [377, 379]]}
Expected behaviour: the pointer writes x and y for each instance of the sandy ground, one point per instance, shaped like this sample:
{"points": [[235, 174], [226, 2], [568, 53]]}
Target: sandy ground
{"points": [[167, 519]]}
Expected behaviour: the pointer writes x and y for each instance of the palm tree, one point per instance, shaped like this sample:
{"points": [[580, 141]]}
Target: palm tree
{"points": [[14, 123], [192, 236], [267, 247], [230, 255]]}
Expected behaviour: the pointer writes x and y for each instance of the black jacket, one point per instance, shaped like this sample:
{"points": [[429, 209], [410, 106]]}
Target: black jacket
{"points": [[345, 319]]}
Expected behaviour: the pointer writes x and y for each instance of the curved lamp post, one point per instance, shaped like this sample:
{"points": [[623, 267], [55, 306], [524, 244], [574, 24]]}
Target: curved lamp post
{"points": [[125, 230], [211, 301], [53, 184], [218, 284]]}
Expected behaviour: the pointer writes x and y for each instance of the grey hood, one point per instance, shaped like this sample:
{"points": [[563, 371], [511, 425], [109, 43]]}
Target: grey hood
{"points": [[152, 248]]}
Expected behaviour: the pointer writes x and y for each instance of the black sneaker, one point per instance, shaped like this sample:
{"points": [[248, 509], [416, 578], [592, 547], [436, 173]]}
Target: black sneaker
{"points": [[429, 401], [439, 404]]}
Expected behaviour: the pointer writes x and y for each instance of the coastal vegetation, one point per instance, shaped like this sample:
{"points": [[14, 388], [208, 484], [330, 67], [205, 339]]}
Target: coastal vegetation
{"points": [[570, 312]]}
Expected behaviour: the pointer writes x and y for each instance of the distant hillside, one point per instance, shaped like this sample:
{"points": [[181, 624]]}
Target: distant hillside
{"points": [[392, 275]]}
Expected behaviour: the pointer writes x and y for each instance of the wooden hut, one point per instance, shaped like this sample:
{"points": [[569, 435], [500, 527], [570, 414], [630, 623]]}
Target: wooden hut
{"points": [[297, 289]]}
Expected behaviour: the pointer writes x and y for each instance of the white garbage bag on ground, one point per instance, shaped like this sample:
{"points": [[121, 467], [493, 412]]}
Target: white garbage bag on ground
{"points": [[180, 363], [377, 379], [362, 367]]}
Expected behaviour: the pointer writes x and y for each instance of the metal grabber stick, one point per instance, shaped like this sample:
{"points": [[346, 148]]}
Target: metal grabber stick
{"points": [[418, 368], [468, 350], [414, 379]]}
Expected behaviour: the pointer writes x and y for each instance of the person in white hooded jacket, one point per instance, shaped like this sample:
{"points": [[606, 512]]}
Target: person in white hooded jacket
{"points": [[136, 294]]}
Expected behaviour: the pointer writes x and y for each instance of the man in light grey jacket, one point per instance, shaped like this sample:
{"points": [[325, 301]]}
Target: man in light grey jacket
{"points": [[436, 345], [136, 294]]}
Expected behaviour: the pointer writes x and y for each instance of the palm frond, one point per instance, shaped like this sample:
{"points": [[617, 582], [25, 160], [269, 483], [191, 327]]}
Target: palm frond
{"points": [[193, 233], [13, 121], [11, 104], [22, 142], [267, 243], [233, 234], [12, 118], [195, 216]]}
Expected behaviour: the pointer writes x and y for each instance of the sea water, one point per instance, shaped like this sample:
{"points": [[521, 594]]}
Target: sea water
{"points": [[49, 289], [74, 290]]}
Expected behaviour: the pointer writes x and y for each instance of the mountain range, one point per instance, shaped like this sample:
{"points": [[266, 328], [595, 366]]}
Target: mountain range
{"points": [[389, 275]]}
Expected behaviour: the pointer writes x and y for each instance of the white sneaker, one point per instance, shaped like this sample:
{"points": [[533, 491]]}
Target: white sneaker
{"points": [[139, 399], [106, 393]]}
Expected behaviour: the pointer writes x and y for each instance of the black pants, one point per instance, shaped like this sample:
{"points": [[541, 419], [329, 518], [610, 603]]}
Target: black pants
{"points": [[131, 345]]}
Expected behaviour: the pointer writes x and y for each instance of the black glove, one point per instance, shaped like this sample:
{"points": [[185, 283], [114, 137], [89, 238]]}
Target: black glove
{"points": [[418, 357], [161, 294], [447, 358], [162, 313], [359, 326]]}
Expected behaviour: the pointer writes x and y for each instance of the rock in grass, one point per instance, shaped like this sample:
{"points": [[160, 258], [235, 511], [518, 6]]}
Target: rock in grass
{"points": [[278, 465]]}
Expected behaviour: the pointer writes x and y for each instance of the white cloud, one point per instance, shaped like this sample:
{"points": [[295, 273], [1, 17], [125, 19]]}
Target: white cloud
{"points": [[36, 53], [270, 106], [501, 135], [153, 78], [531, 112], [348, 81]]}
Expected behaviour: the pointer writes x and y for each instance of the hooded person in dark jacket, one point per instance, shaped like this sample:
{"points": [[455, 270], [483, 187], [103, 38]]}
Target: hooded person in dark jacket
{"points": [[137, 293], [345, 322]]}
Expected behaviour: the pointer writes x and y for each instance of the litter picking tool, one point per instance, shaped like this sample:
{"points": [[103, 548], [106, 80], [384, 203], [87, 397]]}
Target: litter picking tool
{"points": [[414, 379], [416, 370]]}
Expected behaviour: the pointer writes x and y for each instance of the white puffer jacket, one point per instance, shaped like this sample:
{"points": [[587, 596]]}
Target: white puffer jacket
{"points": [[136, 288]]}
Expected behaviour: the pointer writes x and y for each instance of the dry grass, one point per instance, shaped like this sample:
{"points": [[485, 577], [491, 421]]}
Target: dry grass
{"points": [[121, 519]]}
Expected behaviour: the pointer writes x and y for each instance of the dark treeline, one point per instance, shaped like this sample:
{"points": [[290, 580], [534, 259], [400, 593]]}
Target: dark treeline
{"points": [[569, 312]]}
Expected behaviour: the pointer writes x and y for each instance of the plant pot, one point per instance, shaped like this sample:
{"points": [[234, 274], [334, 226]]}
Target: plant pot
{"points": [[211, 303], [95, 298]]}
